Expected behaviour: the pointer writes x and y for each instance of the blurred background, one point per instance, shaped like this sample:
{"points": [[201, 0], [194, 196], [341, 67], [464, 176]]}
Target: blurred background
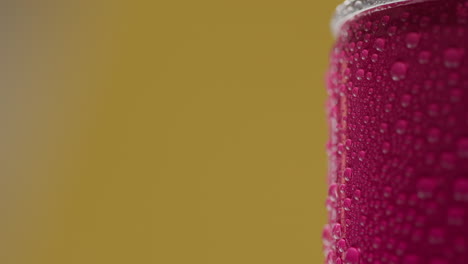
{"points": [[163, 131]]}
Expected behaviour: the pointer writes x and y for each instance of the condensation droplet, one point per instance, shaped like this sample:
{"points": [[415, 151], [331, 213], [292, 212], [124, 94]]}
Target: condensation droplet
{"points": [[363, 220], [401, 199], [424, 21], [331, 256], [348, 174], [433, 135], [424, 57], [459, 244], [355, 91], [387, 192], [453, 57], [342, 188], [386, 148], [462, 148], [358, 4], [388, 108], [438, 261], [379, 44], [460, 190], [352, 256], [456, 216], [360, 74], [348, 144], [433, 110], [426, 187], [385, 20], [336, 231], [347, 204], [448, 160], [338, 261], [436, 236], [412, 40], [364, 54], [376, 242], [405, 100], [357, 195], [453, 79], [361, 155], [333, 192], [401, 248], [401, 126], [398, 71], [411, 259], [404, 16], [326, 236], [383, 128], [340, 149], [341, 245]]}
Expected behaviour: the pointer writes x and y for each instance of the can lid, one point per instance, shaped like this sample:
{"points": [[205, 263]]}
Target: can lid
{"points": [[350, 8]]}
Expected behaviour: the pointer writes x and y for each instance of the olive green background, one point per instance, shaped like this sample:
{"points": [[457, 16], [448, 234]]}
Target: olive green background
{"points": [[163, 131]]}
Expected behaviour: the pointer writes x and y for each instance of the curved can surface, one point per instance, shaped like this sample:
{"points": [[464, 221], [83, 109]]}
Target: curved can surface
{"points": [[398, 149]]}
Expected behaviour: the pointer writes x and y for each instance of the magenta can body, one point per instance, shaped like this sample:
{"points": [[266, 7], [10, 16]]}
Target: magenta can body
{"points": [[398, 149]]}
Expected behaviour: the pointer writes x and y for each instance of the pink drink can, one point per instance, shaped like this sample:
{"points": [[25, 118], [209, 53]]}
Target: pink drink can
{"points": [[398, 148]]}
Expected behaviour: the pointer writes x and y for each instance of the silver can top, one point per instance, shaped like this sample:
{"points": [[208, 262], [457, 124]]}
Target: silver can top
{"points": [[350, 8]]}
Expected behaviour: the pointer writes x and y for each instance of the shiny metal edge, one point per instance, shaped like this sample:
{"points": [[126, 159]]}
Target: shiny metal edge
{"points": [[351, 8]]}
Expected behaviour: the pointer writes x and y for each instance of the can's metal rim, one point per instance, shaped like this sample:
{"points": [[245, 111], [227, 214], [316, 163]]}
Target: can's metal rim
{"points": [[351, 8]]}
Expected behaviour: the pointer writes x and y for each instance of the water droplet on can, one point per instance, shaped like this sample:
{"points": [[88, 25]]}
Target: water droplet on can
{"points": [[398, 71]]}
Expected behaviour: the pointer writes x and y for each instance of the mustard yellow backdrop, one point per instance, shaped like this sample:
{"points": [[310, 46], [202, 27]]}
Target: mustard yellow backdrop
{"points": [[163, 131]]}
